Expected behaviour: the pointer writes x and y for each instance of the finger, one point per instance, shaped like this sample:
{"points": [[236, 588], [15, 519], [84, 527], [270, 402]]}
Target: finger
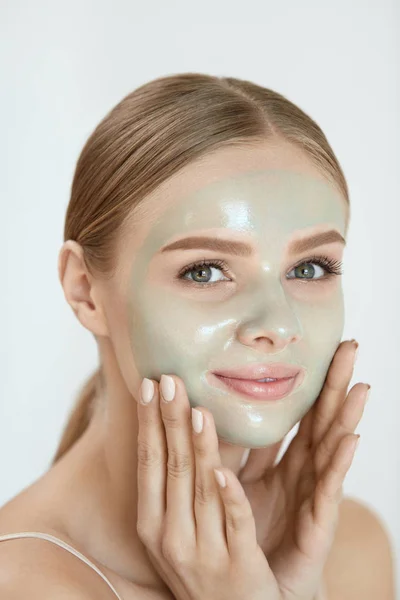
{"points": [[208, 507], [328, 492], [258, 462], [175, 411], [311, 425], [302, 473], [239, 520], [306, 425], [152, 459], [345, 423], [293, 463], [317, 421], [334, 391], [305, 431]]}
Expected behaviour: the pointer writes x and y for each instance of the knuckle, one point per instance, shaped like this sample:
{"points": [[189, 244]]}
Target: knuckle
{"points": [[179, 464], [201, 449], [145, 533], [236, 521], [148, 455], [320, 419], [342, 419], [332, 384], [203, 493], [238, 515], [324, 450], [147, 417], [174, 552], [171, 420]]}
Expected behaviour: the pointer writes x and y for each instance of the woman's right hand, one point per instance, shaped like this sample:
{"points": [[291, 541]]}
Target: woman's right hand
{"points": [[201, 538]]}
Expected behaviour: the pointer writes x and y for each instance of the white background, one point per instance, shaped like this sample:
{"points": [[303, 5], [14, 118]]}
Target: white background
{"points": [[65, 64]]}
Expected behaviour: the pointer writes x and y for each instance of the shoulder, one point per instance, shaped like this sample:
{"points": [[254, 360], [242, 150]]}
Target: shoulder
{"points": [[46, 572], [360, 564]]}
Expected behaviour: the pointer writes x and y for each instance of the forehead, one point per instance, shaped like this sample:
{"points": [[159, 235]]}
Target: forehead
{"points": [[275, 201]]}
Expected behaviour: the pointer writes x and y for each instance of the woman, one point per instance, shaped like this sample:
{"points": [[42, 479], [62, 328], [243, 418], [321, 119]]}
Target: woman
{"points": [[203, 247]]}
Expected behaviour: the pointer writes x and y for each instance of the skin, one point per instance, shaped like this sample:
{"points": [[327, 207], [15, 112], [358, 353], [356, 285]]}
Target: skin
{"points": [[101, 469], [258, 315]]}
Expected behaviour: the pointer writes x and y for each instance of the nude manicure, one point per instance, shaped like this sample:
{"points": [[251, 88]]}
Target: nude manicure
{"points": [[197, 420], [368, 394], [355, 344], [355, 354], [147, 390], [167, 387]]}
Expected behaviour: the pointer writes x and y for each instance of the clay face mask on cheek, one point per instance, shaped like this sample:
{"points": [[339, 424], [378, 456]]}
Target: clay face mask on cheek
{"points": [[178, 328]]}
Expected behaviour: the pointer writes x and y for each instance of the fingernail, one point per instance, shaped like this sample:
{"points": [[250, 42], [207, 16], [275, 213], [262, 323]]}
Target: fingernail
{"points": [[244, 458], [355, 344], [197, 420], [167, 388], [220, 477], [368, 393], [147, 390]]}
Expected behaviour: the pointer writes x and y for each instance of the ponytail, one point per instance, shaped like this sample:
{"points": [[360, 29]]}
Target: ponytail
{"points": [[79, 417]]}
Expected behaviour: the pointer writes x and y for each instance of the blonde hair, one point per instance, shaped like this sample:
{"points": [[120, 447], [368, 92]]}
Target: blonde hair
{"points": [[150, 134]]}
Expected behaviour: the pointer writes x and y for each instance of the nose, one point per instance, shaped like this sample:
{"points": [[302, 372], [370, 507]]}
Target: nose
{"points": [[271, 327]]}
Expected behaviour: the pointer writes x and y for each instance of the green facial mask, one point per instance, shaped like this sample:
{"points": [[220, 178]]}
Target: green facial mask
{"points": [[187, 331]]}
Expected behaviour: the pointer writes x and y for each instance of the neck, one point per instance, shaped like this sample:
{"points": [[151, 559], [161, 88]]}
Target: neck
{"points": [[97, 480]]}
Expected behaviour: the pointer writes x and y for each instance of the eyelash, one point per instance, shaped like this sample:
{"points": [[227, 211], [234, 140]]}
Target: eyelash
{"points": [[333, 267]]}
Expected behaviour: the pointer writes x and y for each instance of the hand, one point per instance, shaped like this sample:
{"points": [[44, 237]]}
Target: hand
{"points": [[200, 538], [296, 503]]}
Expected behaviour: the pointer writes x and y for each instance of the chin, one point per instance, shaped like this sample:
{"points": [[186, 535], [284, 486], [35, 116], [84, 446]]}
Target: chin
{"points": [[265, 440]]}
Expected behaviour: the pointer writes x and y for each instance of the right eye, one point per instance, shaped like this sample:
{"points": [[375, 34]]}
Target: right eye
{"points": [[203, 272]]}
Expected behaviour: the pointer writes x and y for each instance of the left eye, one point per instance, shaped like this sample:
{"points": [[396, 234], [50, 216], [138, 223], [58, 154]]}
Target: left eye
{"points": [[307, 270]]}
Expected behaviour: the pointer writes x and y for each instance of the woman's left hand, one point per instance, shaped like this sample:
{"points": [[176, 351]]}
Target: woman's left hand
{"points": [[296, 503]]}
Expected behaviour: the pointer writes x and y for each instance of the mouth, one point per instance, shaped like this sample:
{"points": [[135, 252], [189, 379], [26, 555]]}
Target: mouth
{"points": [[251, 388]]}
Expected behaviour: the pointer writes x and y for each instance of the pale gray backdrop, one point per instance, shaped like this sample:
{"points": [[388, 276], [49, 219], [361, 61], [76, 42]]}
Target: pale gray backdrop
{"points": [[65, 64]]}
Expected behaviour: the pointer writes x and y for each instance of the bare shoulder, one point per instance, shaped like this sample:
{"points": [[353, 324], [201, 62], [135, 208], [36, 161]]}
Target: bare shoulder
{"points": [[361, 563], [36, 569], [33, 568]]}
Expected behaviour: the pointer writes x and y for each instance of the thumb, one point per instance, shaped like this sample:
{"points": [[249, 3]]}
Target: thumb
{"points": [[259, 460]]}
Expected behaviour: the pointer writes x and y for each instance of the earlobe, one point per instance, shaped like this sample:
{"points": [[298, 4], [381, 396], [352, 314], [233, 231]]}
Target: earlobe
{"points": [[79, 289], [91, 318]]}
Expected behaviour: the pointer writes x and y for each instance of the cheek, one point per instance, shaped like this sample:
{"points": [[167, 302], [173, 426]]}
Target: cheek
{"points": [[322, 326], [167, 335], [321, 314]]}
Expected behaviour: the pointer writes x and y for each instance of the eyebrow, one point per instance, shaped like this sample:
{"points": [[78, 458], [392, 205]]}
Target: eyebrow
{"points": [[242, 249]]}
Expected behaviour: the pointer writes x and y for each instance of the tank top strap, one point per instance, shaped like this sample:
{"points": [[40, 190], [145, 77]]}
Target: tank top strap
{"points": [[62, 544]]}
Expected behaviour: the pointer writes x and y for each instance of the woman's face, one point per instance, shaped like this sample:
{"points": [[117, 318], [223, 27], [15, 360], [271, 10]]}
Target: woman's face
{"points": [[254, 306]]}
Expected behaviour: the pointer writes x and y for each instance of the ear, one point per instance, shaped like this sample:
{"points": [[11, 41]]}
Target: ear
{"points": [[81, 289]]}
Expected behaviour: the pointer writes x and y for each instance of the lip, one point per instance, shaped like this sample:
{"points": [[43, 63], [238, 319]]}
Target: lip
{"points": [[260, 371], [288, 378]]}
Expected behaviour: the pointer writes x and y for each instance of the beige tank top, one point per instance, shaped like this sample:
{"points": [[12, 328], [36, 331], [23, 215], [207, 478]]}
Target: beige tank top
{"points": [[62, 544], [51, 538]]}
